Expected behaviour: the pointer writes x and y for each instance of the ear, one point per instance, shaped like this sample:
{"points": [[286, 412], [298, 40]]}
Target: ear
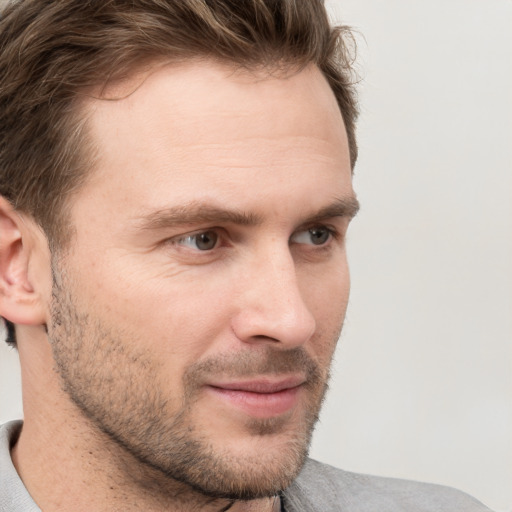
{"points": [[23, 260]]}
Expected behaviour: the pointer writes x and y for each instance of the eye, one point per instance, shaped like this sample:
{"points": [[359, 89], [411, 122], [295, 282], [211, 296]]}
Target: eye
{"points": [[318, 235], [203, 241]]}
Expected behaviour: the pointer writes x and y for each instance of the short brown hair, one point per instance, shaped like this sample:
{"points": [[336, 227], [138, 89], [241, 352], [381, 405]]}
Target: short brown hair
{"points": [[51, 50]]}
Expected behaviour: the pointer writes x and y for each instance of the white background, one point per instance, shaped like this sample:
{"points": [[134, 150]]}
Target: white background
{"points": [[422, 384]]}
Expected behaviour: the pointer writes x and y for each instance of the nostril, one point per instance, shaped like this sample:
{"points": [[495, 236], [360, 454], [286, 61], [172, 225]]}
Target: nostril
{"points": [[262, 337]]}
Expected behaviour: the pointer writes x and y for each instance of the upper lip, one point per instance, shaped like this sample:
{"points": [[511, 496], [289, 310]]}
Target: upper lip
{"points": [[261, 385]]}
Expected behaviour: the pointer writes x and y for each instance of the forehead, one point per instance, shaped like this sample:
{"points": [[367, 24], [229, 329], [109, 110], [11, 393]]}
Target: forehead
{"points": [[195, 98], [175, 130]]}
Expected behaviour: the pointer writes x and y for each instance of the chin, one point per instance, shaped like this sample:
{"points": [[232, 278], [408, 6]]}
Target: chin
{"points": [[254, 476], [256, 465]]}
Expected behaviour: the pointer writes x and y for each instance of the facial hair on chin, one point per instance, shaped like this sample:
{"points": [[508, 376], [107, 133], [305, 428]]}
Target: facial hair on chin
{"points": [[116, 386]]}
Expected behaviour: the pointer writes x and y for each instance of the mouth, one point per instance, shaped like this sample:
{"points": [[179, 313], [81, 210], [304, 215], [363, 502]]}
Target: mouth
{"points": [[260, 398]]}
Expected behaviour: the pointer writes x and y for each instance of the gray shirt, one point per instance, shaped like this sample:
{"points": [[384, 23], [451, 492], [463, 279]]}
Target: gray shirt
{"points": [[318, 488]]}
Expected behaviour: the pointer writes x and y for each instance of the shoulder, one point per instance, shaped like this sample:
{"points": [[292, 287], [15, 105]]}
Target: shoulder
{"points": [[13, 495], [325, 488]]}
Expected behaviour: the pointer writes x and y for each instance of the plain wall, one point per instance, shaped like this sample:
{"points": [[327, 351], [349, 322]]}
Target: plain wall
{"points": [[422, 383]]}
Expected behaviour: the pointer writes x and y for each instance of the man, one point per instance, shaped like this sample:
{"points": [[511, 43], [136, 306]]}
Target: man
{"points": [[176, 189]]}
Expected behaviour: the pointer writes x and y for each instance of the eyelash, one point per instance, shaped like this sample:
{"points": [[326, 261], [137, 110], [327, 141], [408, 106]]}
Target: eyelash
{"points": [[332, 234], [179, 240]]}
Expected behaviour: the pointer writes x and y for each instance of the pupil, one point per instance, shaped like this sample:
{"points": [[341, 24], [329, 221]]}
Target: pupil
{"points": [[319, 235], [206, 241]]}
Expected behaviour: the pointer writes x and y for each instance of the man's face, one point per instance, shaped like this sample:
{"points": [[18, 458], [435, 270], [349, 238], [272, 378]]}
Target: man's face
{"points": [[195, 315]]}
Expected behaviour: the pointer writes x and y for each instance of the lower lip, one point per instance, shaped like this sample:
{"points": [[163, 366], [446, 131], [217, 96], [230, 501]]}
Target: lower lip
{"points": [[259, 405]]}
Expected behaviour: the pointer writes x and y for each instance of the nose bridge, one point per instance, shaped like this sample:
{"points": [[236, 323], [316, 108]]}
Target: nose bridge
{"points": [[273, 305]]}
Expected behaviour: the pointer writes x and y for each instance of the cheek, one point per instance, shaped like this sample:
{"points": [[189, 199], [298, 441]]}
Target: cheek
{"points": [[326, 295], [177, 316], [325, 291]]}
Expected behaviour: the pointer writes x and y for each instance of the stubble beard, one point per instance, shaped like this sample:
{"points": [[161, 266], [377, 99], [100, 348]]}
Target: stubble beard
{"points": [[115, 386]]}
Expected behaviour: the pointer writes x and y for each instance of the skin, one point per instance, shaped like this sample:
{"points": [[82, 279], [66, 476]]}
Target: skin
{"points": [[208, 257]]}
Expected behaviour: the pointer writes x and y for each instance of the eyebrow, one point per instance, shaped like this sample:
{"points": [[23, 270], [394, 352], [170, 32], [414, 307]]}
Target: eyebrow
{"points": [[341, 207], [196, 212]]}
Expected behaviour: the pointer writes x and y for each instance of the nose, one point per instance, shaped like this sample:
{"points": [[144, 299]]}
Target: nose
{"points": [[272, 308]]}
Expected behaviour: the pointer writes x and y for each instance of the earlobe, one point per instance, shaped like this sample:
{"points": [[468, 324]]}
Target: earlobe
{"points": [[20, 298]]}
